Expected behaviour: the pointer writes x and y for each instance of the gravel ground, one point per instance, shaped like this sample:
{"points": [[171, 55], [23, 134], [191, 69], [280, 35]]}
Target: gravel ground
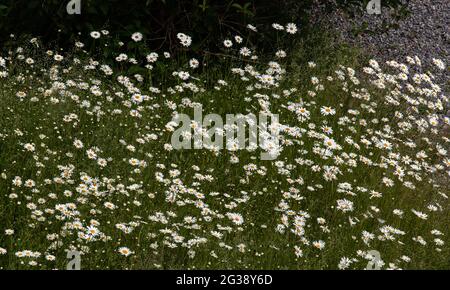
{"points": [[424, 31]]}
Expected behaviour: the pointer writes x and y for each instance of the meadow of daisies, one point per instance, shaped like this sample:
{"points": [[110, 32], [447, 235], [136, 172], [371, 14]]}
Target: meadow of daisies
{"points": [[87, 164]]}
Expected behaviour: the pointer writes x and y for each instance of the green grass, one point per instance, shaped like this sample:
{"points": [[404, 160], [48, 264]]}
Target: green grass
{"points": [[255, 196]]}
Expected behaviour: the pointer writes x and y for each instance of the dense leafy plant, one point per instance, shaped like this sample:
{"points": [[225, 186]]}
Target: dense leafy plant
{"points": [[160, 20]]}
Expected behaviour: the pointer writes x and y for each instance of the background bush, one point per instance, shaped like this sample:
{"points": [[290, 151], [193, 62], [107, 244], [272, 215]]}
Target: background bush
{"points": [[160, 20]]}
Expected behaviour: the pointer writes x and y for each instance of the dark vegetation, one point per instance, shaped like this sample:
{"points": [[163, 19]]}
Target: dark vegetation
{"points": [[159, 20]]}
